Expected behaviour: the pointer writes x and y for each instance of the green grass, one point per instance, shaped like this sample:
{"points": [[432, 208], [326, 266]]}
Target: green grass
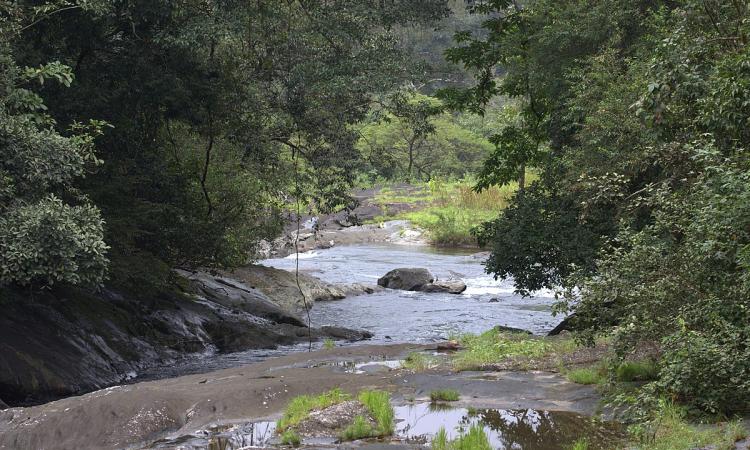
{"points": [[494, 346], [359, 429], [379, 405], [474, 439], [445, 395], [671, 431], [580, 444], [586, 375], [418, 362], [329, 343], [290, 437], [299, 408], [636, 371]]}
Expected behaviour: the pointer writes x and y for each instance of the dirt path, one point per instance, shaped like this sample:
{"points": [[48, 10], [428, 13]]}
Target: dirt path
{"points": [[134, 416]]}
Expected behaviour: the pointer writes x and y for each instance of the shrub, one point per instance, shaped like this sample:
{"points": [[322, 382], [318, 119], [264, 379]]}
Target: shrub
{"points": [[636, 371]]}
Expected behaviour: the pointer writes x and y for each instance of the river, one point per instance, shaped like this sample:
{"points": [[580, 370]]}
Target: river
{"points": [[395, 316]]}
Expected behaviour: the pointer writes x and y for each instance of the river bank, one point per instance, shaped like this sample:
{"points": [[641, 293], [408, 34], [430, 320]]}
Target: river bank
{"points": [[170, 413]]}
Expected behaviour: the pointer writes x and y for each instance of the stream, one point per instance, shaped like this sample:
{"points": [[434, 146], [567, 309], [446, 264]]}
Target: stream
{"points": [[394, 316], [403, 316]]}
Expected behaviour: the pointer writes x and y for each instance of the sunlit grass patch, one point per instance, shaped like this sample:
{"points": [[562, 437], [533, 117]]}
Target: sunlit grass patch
{"points": [[493, 346], [580, 444], [300, 407], [444, 395]]}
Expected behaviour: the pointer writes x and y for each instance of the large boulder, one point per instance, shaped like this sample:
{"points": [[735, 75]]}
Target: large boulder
{"points": [[406, 279], [445, 286], [281, 287]]}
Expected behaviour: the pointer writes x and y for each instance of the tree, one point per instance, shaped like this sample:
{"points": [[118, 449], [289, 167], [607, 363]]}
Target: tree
{"points": [[49, 231]]}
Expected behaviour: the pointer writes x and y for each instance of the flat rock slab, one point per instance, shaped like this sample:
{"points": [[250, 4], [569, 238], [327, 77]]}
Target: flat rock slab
{"points": [[140, 414]]}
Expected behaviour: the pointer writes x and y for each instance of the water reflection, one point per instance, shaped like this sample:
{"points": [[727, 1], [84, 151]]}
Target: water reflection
{"points": [[224, 437], [523, 429]]}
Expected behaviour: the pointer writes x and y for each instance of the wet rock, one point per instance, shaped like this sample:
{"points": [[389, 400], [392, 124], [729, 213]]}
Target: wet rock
{"points": [[346, 333], [281, 287], [449, 346], [494, 300], [568, 324], [504, 329], [354, 289], [70, 341], [332, 420], [407, 279], [445, 286]]}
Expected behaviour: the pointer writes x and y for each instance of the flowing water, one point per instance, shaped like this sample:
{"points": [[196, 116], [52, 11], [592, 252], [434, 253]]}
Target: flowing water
{"points": [[395, 316], [402, 316]]}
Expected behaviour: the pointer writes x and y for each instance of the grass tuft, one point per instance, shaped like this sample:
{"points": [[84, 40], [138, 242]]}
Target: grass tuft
{"points": [[445, 395], [329, 343], [379, 405], [418, 362], [586, 375], [359, 429], [474, 439], [580, 444], [299, 408], [290, 437]]}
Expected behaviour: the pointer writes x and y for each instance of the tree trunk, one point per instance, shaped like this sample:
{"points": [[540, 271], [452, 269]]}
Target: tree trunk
{"points": [[522, 178]]}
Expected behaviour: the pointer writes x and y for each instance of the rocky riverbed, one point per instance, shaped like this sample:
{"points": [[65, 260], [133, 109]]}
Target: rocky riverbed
{"points": [[228, 408]]}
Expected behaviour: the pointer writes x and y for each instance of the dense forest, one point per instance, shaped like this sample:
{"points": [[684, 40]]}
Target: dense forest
{"points": [[140, 137]]}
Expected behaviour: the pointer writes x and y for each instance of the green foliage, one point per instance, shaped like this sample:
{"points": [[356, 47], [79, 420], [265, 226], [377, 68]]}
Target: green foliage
{"points": [[49, 231], [474, 439], [291, 437], [329, 344], [298, 409], [639, 110], [411, 138], [359, 429], [669, 430], [379, 405], [445, 395], [636, 371], [221, 114]]}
